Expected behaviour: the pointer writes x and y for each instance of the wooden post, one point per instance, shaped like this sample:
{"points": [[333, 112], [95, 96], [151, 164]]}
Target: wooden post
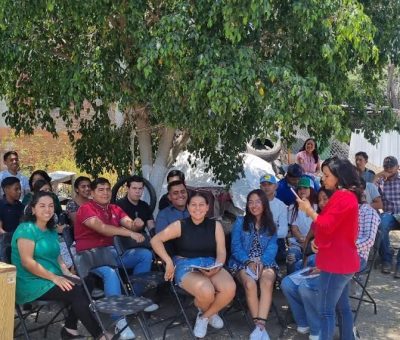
{"points": [[7, 300]]}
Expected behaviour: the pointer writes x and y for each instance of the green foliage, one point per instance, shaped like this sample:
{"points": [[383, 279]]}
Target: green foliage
{"points": [[222, 70]]}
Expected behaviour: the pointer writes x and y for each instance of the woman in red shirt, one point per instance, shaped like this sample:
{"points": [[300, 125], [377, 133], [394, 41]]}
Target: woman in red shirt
{"points": [[336, 229]]}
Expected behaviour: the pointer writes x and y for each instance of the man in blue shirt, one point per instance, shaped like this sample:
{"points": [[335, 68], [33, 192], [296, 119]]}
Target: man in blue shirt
{"points": [[177, 194]]}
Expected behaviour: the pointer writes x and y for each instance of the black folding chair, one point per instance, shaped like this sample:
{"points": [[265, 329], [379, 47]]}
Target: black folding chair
{"points": [[37, 305], [361, 279], [124, 305], [149, 280]]}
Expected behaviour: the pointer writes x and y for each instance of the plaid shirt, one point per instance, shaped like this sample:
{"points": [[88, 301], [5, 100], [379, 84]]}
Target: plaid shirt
{"points": [[390, 193], [368, 222]]}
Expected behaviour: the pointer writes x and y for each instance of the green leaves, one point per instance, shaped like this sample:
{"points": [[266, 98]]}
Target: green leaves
{"points": [[224, 71]]}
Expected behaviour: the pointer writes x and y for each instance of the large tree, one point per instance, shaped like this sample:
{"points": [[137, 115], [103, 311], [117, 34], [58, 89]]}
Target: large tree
{"points": [[206, 75]]}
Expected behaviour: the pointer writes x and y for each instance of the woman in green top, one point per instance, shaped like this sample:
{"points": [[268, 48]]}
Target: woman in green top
{"points": [[41, 272]]}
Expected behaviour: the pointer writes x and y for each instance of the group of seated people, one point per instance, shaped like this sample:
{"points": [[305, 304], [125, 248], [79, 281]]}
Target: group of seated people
{"points": [[275, 228]]}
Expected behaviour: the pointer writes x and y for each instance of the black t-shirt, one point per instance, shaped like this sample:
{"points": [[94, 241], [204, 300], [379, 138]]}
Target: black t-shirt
{"points": [[10, 214], [141, 210], [196, 240]]}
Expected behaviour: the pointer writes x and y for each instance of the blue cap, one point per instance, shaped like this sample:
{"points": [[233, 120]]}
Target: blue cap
{"points": [[268, 178]]}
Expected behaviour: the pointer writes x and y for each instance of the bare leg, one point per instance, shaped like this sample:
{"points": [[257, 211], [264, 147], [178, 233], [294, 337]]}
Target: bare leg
{"points": [[225, 289], [201, 288], [250, 288], [267, 281]]}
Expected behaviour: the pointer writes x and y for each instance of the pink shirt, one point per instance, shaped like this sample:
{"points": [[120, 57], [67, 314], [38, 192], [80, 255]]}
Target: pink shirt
{"points": [[87, 238], [307, 162]]}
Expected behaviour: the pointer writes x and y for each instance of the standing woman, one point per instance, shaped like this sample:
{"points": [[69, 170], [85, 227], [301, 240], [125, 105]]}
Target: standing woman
{"points": [[41, 272], [254, 247], [198, 241], [336, 229], [308, 157]]}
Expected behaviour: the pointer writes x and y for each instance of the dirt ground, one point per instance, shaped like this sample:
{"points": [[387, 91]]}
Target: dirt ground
{"points": [[384, 325]]}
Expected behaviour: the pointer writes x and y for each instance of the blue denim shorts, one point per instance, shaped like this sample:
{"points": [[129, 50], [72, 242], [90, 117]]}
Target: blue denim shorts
{"points": [[182, 266]]}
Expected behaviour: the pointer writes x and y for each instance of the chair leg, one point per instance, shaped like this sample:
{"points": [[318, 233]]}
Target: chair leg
{"points": [[143, 324], [22, 320], [228, 329]]}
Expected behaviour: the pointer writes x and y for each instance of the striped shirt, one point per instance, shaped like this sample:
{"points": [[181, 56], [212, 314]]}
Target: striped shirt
{"points": [[390, 193], [368, 222]]}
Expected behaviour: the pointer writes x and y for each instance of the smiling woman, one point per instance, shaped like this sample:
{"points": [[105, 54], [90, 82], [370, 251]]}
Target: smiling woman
{"points": [[41, 272], [198, 242]]}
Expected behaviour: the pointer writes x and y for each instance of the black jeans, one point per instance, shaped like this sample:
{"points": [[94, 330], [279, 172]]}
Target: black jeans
{"points": [[78, 304]]}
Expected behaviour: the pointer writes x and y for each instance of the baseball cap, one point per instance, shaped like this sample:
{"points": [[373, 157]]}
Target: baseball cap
{"points": [[390, 162], [306, 182], [295, 170], [268, 178]]}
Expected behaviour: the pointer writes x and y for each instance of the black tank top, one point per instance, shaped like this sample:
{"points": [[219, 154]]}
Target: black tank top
{"points": [[196, 240]]}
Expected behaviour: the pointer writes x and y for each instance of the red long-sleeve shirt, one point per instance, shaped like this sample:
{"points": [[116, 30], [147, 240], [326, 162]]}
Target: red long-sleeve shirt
{"points": [[336, 230]]}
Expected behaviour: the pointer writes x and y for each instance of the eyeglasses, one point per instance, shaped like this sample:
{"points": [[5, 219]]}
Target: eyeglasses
{"points": [[256, 202]]}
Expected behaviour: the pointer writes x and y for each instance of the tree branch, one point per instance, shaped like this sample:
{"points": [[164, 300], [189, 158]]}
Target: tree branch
{"points": [[143, 131], [179, 145]]}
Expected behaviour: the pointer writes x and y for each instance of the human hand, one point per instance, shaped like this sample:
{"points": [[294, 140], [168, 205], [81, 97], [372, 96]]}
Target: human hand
{"points": [[63, 283], [137, 237], [169, 271], [304, 204], [314, 247], [138, 222]]}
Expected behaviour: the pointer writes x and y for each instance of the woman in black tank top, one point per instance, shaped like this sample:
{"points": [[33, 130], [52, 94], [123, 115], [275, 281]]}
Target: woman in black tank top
{"points": [[198, 242]]}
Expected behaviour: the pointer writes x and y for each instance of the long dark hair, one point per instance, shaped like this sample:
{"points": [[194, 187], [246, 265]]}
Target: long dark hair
{"points": [[315, 151], [30, 217], [267, 221], [39, 184], [42, 174], [346, 173], [312, 199]]}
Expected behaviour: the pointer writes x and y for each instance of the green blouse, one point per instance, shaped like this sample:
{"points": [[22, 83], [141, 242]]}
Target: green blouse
{"points": [[29, 286]]}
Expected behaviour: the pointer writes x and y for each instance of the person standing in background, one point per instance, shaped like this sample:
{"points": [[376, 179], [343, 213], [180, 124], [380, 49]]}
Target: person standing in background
{"points": [[11, 160]]}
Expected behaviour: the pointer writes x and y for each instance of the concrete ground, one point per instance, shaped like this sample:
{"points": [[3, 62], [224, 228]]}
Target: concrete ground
{"points": [[385, 325]]}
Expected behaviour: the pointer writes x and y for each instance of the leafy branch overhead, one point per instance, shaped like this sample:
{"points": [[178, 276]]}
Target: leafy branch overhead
{"points": [[218, 71]]}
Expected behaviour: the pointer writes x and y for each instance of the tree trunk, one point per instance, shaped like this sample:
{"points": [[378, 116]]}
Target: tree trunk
{"points": [[391, 87], [144, 139]]}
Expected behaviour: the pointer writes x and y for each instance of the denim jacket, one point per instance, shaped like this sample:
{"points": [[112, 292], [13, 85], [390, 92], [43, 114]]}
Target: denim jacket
{"points": [[241, 244]]}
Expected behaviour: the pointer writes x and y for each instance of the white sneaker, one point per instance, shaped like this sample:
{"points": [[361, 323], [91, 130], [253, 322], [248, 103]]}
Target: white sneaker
{"points": [[152, 308], [257, 334], [200, 328], [313, 337], [216, 321], [303, 330], [127, 333]]}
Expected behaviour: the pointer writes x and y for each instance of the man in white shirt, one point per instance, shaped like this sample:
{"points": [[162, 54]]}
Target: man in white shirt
{"points": [[268, 184], [11, 161]]}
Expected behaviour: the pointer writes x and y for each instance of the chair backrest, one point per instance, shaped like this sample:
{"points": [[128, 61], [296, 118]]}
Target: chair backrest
{"points": [[122, 244], [5, 247], [93, 258], [68, 235]]}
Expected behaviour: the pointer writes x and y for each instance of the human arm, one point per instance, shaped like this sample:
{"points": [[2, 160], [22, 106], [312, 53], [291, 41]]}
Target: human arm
{"points": [[151, 226], [237, 249], [269, 253], [26, 249], [377, 203], [109, 230], [368, 226], [296, 234], [2, 231], [282, 221], [157, 243]]}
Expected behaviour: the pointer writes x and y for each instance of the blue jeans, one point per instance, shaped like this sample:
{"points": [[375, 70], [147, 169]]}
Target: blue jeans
{"points": [[138, 259], [301, 299], [388, 223], [334, 297], [294, 255]]}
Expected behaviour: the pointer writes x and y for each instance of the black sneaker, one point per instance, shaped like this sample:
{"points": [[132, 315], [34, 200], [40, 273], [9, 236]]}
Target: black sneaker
{"points": [[397, 273]]}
